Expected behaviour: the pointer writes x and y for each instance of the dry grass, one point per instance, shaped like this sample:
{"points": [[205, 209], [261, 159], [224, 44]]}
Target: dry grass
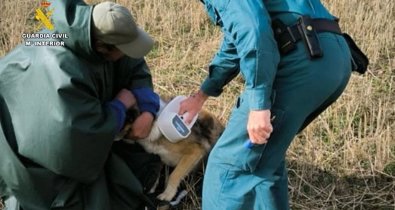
{"points": [[345, 159]]}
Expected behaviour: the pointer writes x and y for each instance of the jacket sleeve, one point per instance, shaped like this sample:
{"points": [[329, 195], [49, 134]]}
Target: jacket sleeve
{"points": [[223, 68], [135, 75], [246, 24], [58, 119], [132, 73], [74, 137]]}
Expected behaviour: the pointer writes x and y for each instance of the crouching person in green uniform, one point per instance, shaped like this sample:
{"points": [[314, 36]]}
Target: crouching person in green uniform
{"points": [[295, 63], [61, 107]]}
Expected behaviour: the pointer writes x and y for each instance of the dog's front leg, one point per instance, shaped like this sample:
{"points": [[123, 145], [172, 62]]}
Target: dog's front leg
{"points": [[186, 164]]}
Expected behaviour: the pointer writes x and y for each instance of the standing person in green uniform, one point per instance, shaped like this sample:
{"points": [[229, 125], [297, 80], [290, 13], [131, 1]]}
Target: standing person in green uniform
{"points": [[61, 107], [295, 64]]}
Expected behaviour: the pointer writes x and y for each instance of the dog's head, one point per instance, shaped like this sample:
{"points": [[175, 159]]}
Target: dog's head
{"points": [[207, 126], [207, 129], [131, 116]]}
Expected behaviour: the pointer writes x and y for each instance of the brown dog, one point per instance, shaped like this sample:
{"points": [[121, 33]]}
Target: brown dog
{"points": [[184, 155]]}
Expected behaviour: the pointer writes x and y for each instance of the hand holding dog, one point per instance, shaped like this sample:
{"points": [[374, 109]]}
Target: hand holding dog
{"points": [[141, 127], [259, 126], [126, 97]]}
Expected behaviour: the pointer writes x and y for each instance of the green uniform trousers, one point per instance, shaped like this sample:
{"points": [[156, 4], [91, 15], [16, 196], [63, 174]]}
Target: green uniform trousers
{"points": [[244, 179]]}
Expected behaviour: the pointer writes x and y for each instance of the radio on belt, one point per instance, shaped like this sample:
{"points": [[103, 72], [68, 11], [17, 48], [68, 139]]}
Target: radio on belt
{"points": [[171, 124]]}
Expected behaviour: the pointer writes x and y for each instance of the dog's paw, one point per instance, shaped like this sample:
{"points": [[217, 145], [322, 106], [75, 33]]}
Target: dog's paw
{"points": [[168, 194]]}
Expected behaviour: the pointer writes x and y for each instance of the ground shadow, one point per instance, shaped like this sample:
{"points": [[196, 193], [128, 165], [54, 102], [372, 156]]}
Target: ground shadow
{"points": [[311, 188]]}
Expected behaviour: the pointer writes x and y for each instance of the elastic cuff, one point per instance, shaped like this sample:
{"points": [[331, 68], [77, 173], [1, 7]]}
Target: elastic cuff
{"points": [[151, 108], [147, 100], [120, 111], [210, 88]]}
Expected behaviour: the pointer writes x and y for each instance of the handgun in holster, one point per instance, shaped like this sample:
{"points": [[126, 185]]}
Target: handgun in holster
{"points": [[309, 36], [285, 40]]}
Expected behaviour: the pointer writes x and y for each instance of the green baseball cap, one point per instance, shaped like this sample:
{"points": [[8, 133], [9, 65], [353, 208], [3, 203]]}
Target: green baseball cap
{"points": [[114, 24]]}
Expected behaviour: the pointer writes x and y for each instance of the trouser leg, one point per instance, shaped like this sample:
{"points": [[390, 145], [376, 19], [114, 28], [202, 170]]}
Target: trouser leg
{"points": [[240, 190], [302, 92], [229, 189], [273, 194], [325, 105], [238, 178], [227, 185]]}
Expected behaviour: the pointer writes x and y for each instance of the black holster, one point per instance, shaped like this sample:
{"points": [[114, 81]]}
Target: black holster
{"points": [[309, 37], [305, 29]]}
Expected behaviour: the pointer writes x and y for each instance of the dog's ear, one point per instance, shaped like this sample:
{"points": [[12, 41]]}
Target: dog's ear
{"points": [[207, 126], [206, 119]]}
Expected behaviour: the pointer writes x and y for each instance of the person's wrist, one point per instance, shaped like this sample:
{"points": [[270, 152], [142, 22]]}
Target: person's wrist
{"points": [[148, 116], [126, 104], [201, 96], [127, 98]]}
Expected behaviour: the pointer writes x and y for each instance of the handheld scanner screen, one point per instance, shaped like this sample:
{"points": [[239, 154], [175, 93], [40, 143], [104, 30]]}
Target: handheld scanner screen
{"points": [[178, 123]]}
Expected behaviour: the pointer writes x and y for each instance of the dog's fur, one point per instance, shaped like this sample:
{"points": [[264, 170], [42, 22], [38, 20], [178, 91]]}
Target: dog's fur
{"points": [[185, 154]]}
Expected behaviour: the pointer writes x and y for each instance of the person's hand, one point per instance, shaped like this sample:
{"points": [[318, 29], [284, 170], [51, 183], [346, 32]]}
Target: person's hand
{"points": [[259, 126], [141, 127], [126, 97], [192, 105]]}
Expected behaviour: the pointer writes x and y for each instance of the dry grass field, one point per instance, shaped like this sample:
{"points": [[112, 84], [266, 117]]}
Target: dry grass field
{"points": [[344, 160]]}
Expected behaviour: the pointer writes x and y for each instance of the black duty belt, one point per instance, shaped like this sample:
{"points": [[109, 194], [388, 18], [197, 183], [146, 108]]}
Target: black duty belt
{"points": [[305, 29]]}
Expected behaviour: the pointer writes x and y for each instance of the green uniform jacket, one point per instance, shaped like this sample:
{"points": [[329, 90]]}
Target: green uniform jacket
{"points": [[248, 46], [56, 131]]}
